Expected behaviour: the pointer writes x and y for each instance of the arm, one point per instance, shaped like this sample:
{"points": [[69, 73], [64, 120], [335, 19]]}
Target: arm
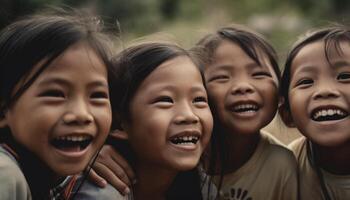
{"points": [[112, 167]]}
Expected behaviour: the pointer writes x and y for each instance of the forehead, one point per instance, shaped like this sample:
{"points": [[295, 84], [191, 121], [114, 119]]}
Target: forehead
{"points": [[315, 54], [177, 71]]}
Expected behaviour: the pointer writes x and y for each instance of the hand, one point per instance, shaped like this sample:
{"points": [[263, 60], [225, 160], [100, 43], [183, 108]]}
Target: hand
{"points": [[111, 166]]}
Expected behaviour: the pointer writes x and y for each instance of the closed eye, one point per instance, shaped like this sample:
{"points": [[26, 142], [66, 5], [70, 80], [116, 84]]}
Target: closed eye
{"points": [[304, 82], [219, 78], [261, 74], [164, 99], [200, 101]]}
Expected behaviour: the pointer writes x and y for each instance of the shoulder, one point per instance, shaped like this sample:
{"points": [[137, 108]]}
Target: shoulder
{"points": [[89, 191], [276, 152], [298, 146], [12, 180]]}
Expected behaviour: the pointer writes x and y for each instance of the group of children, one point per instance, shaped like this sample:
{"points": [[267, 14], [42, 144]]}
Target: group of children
{"points": [[161, 122]]}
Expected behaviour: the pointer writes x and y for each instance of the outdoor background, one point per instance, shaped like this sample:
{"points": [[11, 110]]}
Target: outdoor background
{"points": [[185, 21]]}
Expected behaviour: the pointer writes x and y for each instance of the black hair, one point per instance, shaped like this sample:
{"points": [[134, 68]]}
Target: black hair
{"points": [[255, 46], [331, 36], [23, 44], [133, 65]]}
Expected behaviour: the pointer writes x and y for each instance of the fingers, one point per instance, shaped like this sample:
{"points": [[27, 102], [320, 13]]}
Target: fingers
{"points": [[113, 179], [123, 169], [95, 178]]}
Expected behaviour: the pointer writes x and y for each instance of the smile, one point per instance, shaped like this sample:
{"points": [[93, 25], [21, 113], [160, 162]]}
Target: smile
{"points": [[328, 114], [245, 108], [72, 143], [185, 140]]}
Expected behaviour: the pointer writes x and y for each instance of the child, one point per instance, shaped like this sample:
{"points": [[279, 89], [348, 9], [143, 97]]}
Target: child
{"points": [[54, 97], [242, 78], [315, 85], [164, 117]]}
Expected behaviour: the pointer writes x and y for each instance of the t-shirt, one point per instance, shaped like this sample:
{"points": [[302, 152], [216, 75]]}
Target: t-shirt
{"points": [[338, 187], [270, 174], [90, 191], [13, 184]]}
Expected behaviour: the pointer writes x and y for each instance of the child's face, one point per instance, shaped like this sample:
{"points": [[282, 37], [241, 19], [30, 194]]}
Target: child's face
{"points": [[170, 121], [244, 94], [319, 94], [65, 115]]}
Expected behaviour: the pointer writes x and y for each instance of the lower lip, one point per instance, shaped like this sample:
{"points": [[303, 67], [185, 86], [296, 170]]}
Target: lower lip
{"points": [[72, 153], [185, 147], [246, 114]]}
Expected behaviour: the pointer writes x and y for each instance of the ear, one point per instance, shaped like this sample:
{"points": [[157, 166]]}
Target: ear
{"points": [[119, 134], [3, 121], [286, 115]]}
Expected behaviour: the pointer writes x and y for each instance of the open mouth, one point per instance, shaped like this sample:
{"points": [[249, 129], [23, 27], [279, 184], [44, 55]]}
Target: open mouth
{"points": [[245, 108], [328, 114], [72, 143], [183, 140]]}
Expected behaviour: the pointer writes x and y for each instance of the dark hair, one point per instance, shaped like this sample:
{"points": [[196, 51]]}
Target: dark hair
{"points": [[331, 36], [132, 66], [252, 44], [25, 43]]}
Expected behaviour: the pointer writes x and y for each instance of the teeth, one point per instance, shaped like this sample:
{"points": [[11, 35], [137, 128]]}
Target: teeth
{"points": [[245, 108], [185, 139], [74, 138], [327, 112]]}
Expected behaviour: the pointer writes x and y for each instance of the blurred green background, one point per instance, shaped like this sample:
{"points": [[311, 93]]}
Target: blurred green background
{"points": [[185, 21]]}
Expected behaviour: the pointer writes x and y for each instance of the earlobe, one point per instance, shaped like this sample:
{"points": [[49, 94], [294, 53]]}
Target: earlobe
{"points": [[119, 134], [286, 116], [3, 122]]}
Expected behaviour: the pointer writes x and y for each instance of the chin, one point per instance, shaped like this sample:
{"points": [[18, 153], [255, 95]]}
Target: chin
{"points": [[186, 165]]}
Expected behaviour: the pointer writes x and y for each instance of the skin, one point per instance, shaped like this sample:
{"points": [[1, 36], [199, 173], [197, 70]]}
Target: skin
{"points": [[69, 98], [169, 103], [232, 82], [315, 85], [229, 81]]}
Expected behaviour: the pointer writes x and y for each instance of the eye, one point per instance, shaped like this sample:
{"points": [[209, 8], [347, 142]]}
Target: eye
{"points": [[164, 99], [261, 74], [304, 82], [343, 76], [99, 95], [219, 78], [52, 93], [200, 101]]}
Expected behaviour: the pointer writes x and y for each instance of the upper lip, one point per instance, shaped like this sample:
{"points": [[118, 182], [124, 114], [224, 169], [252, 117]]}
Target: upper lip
{"points": [[326, 107]]}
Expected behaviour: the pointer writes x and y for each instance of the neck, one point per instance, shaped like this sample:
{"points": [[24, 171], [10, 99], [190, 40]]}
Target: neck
{"points": [[335, 160], [153, 182], [239, 149]]}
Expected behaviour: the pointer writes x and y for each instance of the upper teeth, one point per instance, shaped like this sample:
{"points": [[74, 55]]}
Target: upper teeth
{"points": [[74, 138], [186, 139], [245, 106], [328, 112]]}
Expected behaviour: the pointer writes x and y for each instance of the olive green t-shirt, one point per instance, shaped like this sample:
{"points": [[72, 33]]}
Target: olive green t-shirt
{"points": [[338, 187], [270, 174], [13, 184]]}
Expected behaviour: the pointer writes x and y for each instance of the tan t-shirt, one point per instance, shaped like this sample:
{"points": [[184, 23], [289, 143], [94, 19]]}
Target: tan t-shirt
{"points": [[270, 174], [13, 184], [338, 187]]}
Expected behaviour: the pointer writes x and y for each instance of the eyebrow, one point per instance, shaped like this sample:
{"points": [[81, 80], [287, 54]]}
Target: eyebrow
{"points": [[250, 65], [341, 63], [61, 81], [307, 68]]}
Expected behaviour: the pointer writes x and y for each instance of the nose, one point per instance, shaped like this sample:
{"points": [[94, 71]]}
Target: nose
{"points": [[185, 115], [242, 88], [78, 113], [325, 91]]}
